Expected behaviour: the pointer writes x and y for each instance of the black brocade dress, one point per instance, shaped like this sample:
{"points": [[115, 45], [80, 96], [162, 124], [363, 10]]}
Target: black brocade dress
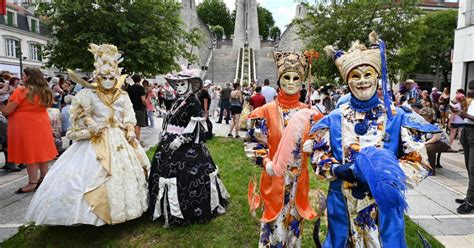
{"points": [[184, 185]]}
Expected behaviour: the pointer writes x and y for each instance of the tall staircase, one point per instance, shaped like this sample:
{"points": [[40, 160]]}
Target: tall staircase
{"points": [[266, 67], [242, 66], [224, 62]]}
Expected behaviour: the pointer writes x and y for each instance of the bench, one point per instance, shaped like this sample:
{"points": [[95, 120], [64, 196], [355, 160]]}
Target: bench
{"points": [[438, 156]]}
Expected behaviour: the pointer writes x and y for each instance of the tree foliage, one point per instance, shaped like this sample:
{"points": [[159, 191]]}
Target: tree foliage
{"points": [[215, 12], [275, 33], [341, 23], [430, 45], [150, 33], [265, 21], [218, 31]]}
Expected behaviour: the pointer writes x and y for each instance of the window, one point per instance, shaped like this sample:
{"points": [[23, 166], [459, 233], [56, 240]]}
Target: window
{"points": [[34, 24], [35, 52], [10, 18], [11, 47]]}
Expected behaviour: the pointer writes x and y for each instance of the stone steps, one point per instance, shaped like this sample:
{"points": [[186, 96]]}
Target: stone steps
{"points": [[224, 62], [266, 67]]}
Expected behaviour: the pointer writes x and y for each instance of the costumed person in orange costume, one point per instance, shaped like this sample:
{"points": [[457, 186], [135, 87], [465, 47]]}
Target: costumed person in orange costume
{"points": [[285, 196]]}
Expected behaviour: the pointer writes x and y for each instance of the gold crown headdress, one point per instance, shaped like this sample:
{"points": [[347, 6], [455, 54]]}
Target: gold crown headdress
{"points": [[289, 61], [107, 57], [357, 55]]}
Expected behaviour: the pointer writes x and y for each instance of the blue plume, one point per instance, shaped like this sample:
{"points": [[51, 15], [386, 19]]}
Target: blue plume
{"points": [[379, 168], [386, 93]]}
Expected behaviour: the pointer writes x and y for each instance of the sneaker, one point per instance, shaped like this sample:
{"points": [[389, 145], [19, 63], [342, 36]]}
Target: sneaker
{"points": [[459, 201], [219, 122], [229, 135], [465, 208], [237, 136]]}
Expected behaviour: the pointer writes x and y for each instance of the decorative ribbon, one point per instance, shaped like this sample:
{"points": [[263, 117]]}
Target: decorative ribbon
{"points": [[215, 180], [196, 121], [171, 199], [386, 94]]}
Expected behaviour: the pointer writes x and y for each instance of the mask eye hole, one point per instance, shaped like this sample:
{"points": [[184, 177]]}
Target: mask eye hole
{"points": [[355, 77], [296, 78], [368, 74], [287, 77]]}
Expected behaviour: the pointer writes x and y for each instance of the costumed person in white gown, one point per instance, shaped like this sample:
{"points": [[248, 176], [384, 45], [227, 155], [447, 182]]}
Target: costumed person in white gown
{"points": [[184, 182], [102, 177]]}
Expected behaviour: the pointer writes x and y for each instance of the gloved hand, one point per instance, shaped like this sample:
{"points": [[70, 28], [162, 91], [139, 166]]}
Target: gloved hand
{"points": [[269, 169], [176, 143], [343, 172], [308, 146], [360, 189], [130, 136]]}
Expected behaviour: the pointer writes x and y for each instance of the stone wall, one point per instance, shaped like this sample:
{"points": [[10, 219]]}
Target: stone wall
{"points": [[290, 40], [191, 20]]}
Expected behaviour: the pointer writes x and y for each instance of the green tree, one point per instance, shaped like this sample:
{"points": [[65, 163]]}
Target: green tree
{"points": [[265, 21], [150, 33], [215, 12], [275, 33], [430, 47], [341, 23], [218, 31]]}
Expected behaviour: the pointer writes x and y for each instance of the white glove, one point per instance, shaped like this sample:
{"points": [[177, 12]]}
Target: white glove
{"points": [[269, 168], [177, 142], [130, 136], [308, 146]]}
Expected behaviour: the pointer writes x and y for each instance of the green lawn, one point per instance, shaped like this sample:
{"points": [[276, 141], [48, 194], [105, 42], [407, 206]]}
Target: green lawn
{"points": [[237, 228]]}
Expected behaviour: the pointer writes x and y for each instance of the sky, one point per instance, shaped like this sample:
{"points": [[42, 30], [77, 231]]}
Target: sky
{"points": [[283, 10]]}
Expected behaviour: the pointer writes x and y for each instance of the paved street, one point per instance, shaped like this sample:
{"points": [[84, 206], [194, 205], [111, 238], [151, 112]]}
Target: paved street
{"points": [[431, 204]]}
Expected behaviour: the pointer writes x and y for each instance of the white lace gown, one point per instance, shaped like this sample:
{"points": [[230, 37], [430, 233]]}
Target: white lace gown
{"points": [[60, 198]]}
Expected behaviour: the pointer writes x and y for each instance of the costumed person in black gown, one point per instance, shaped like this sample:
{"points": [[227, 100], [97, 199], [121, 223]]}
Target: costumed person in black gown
{"points": [[184, 182]]}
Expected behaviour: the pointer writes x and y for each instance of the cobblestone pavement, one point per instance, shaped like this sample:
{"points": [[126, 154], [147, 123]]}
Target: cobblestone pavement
{"points": [[431, 204]]}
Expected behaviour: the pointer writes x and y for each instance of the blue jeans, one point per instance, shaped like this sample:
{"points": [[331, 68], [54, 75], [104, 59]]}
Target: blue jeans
{"points": [[225, 105], [151, 118]]}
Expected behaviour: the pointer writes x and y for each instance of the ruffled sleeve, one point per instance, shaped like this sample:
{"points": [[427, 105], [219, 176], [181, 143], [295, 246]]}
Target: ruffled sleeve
{"points": [[129, 119], [256, 145], [82, 124], [412, 133]]}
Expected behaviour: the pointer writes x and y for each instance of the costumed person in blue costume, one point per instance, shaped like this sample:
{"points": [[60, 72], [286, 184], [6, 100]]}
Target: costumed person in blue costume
{"points": [[184, 182], [369, 151]]}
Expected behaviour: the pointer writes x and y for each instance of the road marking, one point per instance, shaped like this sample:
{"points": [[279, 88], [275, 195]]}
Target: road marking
{"points": [[446, 216], [14, 181], [13, 225], [446, 186]]}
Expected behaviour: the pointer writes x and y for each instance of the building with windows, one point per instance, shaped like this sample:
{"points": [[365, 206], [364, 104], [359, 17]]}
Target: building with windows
{"points": [[21, 37], [463, 55]]}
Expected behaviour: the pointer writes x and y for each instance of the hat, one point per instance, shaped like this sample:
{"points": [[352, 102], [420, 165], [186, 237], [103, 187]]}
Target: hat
{"points": [[192, 75], [289, 61], [409, 81], [356, 56], [434, 89], [68, 99], [207, 82]]}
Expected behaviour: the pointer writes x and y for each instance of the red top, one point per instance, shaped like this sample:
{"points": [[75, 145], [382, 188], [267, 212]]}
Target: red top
{"points": [[257, 101], [30, 137]]}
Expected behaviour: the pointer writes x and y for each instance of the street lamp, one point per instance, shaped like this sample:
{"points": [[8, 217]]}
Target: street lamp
{"points": [[20, 54]]}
